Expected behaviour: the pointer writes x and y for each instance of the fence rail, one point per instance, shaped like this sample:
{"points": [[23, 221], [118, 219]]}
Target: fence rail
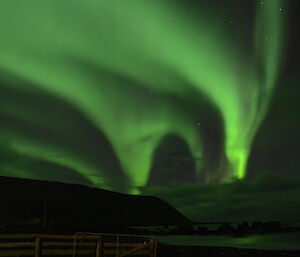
{"points": [[98, 245]]}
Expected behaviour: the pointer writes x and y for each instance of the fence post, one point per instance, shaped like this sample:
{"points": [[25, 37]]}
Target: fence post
{"points": [[117, 250], [151, 248], [37, 248], [155, 247], [98, 247]]}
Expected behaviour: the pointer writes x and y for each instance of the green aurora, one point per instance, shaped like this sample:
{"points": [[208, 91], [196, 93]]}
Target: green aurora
{"points": [[89, 89]]}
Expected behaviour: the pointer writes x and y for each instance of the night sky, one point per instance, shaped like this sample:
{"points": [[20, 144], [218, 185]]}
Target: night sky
{"points": [[193, 101]]}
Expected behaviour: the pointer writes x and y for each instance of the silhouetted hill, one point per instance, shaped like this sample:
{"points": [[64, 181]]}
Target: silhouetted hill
{"points": [[69, 205]]}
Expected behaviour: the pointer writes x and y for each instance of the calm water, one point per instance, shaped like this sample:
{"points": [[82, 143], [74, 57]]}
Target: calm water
{"points": [[283, 241]]}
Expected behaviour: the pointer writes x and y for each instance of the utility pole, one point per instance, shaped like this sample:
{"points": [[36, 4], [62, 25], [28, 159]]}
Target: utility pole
{"points": [[45, 213]]}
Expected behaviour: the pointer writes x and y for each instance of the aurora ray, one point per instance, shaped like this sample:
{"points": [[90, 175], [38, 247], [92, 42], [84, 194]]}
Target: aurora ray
{"points": [[129, 67]]}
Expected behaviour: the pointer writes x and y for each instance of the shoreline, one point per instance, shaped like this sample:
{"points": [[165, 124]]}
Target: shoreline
{"points": [[165, 250]]}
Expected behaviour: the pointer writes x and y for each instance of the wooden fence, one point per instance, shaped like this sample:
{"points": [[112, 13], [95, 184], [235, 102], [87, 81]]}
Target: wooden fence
{"points": [[99, 245]]}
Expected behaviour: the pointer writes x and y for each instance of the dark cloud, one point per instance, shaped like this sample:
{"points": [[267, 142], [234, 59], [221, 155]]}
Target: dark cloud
{"points": [[268, 197], [172, 161]]}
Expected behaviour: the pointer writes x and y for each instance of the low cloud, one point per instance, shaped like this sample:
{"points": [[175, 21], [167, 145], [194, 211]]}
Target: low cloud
{"points": [[268, 197]]}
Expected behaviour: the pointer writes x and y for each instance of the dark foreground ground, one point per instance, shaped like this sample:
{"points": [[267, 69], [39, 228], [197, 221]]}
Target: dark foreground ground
{"points": [[204, 251]]}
